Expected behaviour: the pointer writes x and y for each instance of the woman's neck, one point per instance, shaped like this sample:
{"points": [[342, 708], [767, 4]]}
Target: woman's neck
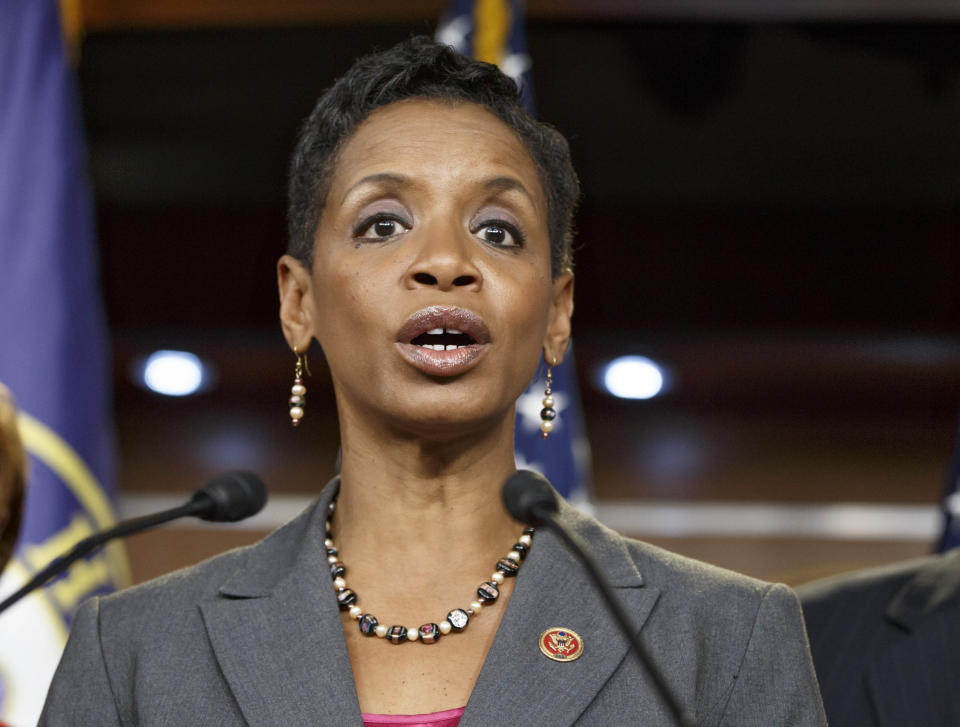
{"points": [[406, 501]]}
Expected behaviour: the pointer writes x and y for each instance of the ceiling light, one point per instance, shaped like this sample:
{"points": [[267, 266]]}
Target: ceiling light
{"points": [[633, 377], [174, 373]]}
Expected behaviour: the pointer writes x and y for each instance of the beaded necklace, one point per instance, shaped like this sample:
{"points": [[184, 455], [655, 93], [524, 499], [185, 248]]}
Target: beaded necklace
{"points": [[428, 633]]}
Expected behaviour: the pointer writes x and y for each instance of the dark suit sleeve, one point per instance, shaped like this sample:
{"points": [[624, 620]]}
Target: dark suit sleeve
{"points": [[81, 693], [776, 665]]}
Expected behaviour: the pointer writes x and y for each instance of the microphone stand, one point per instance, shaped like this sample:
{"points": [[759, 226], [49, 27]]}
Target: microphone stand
{"points": [[196, 506]]}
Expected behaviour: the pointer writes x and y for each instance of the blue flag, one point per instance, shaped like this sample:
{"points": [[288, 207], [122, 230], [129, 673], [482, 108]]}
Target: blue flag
{"points": [[950, 538], [53, 350], [494, 31]]}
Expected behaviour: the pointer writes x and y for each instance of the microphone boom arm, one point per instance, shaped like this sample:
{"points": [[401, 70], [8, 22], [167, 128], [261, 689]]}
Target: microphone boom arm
{"points": [[90, 544], [229, 497]]}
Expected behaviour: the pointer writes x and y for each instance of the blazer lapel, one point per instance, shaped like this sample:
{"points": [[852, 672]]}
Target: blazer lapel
{"points": [[517, 683], [275, 629], [926, 612]]}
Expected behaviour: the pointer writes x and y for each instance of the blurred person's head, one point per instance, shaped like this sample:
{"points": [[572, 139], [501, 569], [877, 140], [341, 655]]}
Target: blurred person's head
{"points": [[12, 476]]}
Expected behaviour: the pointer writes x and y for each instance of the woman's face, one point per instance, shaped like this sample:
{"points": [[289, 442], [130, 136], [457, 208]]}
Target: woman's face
{"points": [[433, 235]]}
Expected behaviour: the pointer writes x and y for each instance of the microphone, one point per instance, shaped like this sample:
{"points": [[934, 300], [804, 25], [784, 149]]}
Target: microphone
{"points": [[229, 497], [529, 498]]}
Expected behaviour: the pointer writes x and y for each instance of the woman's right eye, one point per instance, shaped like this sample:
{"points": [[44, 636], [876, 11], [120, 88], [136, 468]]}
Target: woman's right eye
{"points": [[380, 227]]}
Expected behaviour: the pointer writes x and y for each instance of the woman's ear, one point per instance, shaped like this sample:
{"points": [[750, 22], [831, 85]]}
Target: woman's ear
{"points": [[558, 325], [296, 302]]}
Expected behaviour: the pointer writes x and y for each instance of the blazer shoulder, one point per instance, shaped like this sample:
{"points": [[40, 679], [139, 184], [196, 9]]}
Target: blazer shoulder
{"points": [[696, 578], [191, 584], [729, 639], [692, 592], [626, 560], [874, 586], [257, 567]]}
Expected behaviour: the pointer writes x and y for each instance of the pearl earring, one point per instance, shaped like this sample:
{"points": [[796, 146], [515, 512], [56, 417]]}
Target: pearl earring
{"points": [[548, 413], [298, 392]]}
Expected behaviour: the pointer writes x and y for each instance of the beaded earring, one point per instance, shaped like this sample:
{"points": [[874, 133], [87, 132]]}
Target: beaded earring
{"points": [[548, 413], [298, 392]]}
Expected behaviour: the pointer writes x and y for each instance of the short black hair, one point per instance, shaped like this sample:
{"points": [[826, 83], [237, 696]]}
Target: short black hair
{"points": [[422, 68]]}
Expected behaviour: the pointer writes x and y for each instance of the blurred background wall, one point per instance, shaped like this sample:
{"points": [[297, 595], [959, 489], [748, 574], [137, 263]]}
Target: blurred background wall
{"points": [[771, 214]]}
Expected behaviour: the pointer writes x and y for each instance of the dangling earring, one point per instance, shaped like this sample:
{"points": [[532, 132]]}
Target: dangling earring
{"points": [[298, 392], [548, 413]]}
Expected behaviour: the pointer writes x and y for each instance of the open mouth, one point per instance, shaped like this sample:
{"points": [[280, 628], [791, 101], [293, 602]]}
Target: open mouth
{"points": [[442, 341], [439, 328]]}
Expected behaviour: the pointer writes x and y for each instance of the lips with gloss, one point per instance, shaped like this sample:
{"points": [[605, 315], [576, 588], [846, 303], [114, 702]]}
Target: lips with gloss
{"points": [[443, 341]]}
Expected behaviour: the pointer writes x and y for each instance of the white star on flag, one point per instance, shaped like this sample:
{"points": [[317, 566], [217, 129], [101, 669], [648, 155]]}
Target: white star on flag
{"points": [[454, 33]]}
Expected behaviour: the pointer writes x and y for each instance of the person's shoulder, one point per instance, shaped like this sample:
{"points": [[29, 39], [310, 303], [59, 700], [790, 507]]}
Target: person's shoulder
{"points": [[705, 593], [695, 576], [711, 614], [687, 585], [191, 584], [869, 586], [259, 565]]}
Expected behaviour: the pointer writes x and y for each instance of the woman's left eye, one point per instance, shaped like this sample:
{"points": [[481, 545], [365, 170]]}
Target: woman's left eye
{"points": [[500, 233]]}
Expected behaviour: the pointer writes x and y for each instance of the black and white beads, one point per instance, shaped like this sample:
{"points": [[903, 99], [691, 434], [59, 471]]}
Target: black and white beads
{"points": [[548, 413], [458, 619], [488, 592], [368, 624], [428, 633]]}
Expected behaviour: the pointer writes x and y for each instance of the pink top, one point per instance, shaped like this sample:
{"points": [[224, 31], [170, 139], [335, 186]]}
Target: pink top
{"points": [[447, 718]]}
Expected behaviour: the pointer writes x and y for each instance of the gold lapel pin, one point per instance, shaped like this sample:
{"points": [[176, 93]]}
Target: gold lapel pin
{"points": [[561, 644]]}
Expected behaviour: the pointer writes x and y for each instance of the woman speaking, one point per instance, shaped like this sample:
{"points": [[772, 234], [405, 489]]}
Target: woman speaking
{"points": [[429, 255]]}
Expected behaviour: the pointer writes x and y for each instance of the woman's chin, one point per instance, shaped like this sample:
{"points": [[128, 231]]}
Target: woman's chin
{"points": [[443, 424], [441, 410]]}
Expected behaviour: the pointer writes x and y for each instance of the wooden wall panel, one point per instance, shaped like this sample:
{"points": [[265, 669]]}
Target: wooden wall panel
{"points": [[789, 560]]}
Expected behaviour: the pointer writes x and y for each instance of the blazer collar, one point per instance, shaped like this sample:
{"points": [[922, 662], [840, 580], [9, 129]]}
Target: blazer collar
{"points": [[276, 630], [933, 587], [278, 638], [518, 684]]}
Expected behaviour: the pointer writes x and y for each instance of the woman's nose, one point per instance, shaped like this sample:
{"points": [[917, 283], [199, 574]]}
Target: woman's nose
{"points": [[444, 261]]}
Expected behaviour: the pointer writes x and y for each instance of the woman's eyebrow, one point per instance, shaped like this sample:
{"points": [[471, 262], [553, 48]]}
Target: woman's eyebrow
{"points": [[379, 178], [508, 184], [494, 184]]}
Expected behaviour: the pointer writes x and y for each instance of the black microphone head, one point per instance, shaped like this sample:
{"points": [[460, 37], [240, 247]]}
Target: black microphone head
{"points": [[528, 497], [231, 496]]}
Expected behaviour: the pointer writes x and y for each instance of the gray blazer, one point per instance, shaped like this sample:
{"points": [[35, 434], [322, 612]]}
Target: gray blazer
{"points": [[253, 637]]}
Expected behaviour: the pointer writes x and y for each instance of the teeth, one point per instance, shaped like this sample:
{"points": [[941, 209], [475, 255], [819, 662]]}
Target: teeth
{"points": [[435, 332], [453, 330], [440, 346]]}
